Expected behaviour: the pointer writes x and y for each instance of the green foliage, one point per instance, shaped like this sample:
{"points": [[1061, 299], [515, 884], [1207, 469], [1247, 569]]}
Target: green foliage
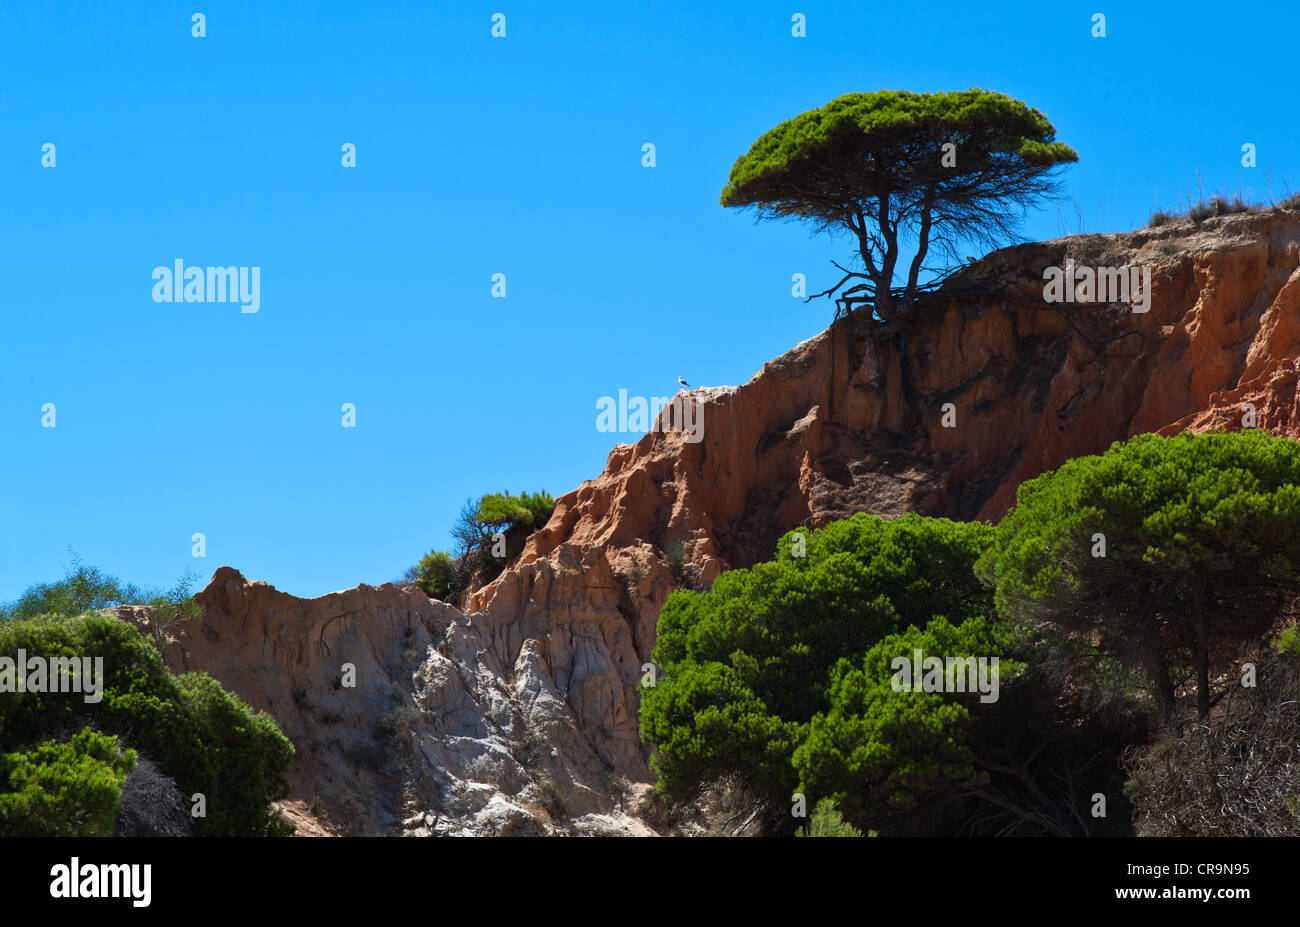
{"points": [[1288, 640], [238, 757], [71, 789], [86, 588], [874, 166], [748, 665], [174, 605], [83, 588], [439, 576], [498, 511], [675, 554], [204, 738], [882, 754], [1134, 572], [894, 132], [444, 575], [1202, 544], [827, 822]]}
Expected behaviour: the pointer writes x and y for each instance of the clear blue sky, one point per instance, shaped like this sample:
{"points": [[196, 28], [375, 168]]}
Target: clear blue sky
{"points": [[475, 156]]}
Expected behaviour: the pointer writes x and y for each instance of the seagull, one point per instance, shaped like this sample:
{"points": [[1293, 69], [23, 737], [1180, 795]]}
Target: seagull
{"points": [[683, 383]]}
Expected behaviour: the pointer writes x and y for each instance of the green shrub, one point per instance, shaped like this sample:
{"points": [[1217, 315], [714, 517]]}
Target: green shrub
{"points": [[885, 754], [1201, 539], [444, 576], [1288, 640], [514, 517], [204, 738], [86, 588], [781, 680], [240, 764], [827, 822], [71, 789], [439, 576], [675, 554], [748, 665], [498, 511], [82, 589]]}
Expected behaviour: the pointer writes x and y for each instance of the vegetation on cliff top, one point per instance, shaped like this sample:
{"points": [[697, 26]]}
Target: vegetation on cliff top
{"points": [[489, 532], [892, 167]]}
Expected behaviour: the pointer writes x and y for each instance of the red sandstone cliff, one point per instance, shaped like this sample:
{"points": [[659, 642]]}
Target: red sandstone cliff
{"points": [[812, 438], [520, 715]]}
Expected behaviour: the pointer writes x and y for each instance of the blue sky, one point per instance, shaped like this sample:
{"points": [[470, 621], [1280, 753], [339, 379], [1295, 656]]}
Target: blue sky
{"points": [[475, 156]]}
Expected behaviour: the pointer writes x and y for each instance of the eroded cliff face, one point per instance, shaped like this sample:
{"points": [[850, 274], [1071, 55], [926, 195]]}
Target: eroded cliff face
{"points": [[410, 717], [817, 435], [520, 714]]}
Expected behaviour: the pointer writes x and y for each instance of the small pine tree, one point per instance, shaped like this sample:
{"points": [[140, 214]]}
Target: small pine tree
{"points": [[826, 821]]}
